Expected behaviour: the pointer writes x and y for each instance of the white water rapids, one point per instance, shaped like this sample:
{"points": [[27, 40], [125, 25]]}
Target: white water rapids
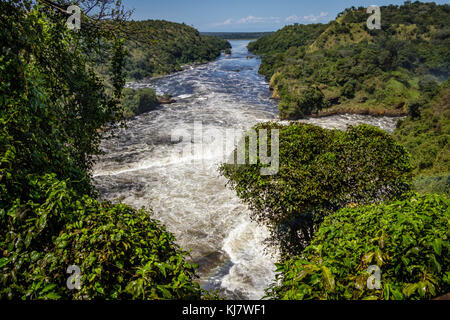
{"points": [[143, 167]]}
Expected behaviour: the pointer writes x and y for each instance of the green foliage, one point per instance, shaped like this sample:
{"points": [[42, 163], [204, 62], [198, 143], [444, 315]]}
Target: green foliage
{"points": [[358, 69], [407, 239], [159, 47], [426, 135], [122, 253], [320, 172], [311, 100], [290, 36], [439, 184], [52, 100], [138, 101], [53, 104]]}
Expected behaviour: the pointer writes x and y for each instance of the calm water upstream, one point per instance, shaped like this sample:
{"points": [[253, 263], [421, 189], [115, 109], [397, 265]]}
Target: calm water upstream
{"points": [[144, 167]]}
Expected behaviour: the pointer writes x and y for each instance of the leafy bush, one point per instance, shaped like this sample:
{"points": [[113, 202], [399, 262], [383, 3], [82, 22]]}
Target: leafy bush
{"points": [[407, 239], [320, 172], [138, 101], [122, 253], [427, 136]]}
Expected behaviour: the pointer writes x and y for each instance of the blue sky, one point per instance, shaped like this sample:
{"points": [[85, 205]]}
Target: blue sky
{"points": [[245, 15]]}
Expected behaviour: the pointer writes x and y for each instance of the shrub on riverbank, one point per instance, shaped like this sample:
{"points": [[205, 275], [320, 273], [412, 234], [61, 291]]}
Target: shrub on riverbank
{"points": [[138, 101], [407, 239], [321, 171]]}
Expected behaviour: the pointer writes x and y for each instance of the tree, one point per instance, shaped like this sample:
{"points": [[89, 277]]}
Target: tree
{"points": [[320, 172]]}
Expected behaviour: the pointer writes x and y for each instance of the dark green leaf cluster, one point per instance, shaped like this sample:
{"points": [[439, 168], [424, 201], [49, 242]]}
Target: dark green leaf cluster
{"points": [[407, 239], [138, 101], [122, 253]]}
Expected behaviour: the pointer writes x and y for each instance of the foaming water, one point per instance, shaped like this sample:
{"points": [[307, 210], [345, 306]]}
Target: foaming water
{"points": [[144, 166]]}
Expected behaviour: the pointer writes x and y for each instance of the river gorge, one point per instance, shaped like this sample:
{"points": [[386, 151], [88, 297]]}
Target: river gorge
{"points": [[142, 166]]}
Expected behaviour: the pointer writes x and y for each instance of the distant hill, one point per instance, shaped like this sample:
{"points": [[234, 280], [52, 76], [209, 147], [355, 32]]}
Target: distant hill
{"points": [[159, 47], [345, 67], [156, 48], [237, 35]]}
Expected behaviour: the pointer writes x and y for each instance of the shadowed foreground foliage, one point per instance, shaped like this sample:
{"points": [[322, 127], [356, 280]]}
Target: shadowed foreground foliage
{"points": [[122, 253]]}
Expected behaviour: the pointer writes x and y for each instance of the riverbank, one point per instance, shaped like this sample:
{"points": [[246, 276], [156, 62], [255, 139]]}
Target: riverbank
{"points": [[366, 111]]}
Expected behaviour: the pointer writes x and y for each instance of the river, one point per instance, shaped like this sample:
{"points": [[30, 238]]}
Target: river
{"points": [[145, 166]]}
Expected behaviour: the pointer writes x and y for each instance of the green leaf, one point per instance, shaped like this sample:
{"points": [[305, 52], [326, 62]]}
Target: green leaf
{"points": [[437, 246], [4, 262], [328, 278], [379, 258], [367, 259], [48, 288], [410, 289], [396, 294], [386, 292], [436, 265], [53, 296]]}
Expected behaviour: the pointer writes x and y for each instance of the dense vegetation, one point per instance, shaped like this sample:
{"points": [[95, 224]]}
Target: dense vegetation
{"points": [[159, 47], [336, 206], [339, 205], [52, 106], [137, 101], [343, 66], [407, 239], [320, 172], [426, 135]]}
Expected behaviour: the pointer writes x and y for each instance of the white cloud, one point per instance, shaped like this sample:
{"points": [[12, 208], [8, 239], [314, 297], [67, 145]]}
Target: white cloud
{"points": [[247, 20], [228, 21], [314, 18], [225, 23], [311, 17], [253, 19], [293, 18]]}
